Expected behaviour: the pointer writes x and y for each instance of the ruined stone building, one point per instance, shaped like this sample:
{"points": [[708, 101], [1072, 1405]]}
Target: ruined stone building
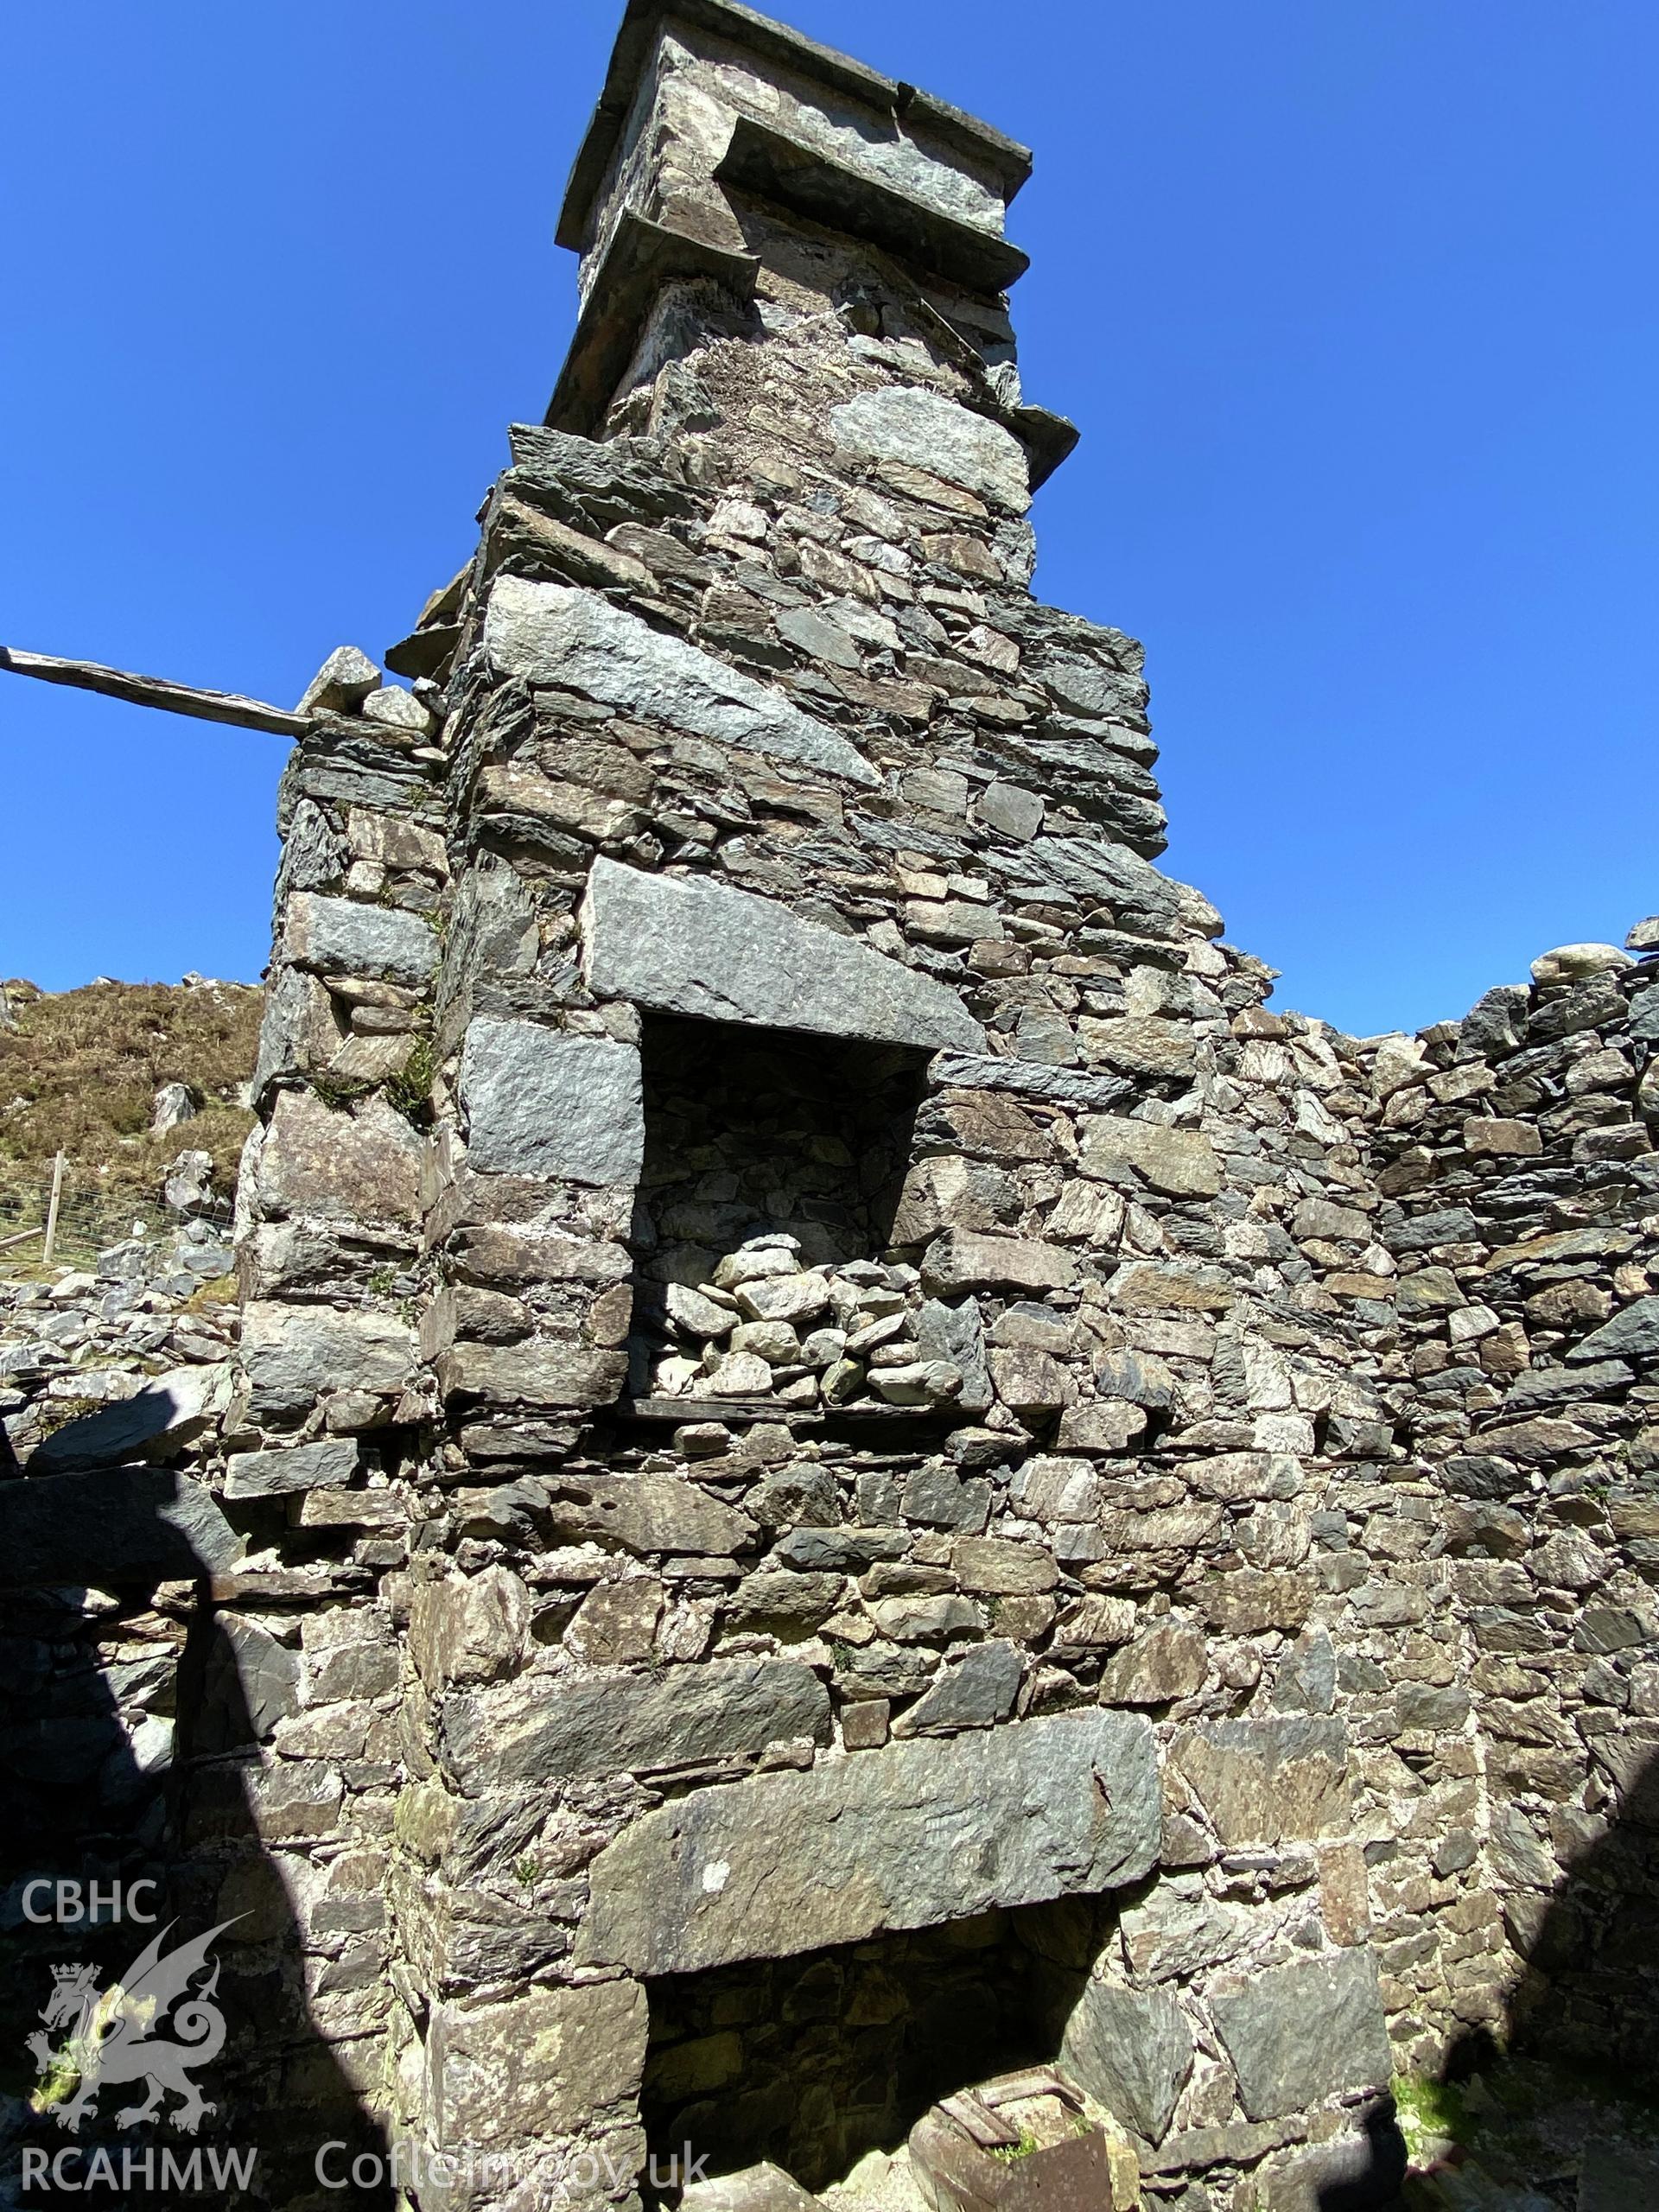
{"points": [[850, 1470]]}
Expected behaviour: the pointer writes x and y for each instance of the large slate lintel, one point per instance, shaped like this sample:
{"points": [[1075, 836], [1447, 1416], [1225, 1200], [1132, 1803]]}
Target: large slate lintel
{"points": [[910, 1836], [681, 945]]}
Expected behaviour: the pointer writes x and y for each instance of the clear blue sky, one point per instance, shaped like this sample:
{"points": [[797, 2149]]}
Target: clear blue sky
{"points": [[1355, 302]]}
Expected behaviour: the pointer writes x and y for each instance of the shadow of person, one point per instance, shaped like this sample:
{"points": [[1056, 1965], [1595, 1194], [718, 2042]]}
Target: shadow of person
{"points": [[1591, 1989], [132, 1715], [1364, 2173], [1573, 2064]]}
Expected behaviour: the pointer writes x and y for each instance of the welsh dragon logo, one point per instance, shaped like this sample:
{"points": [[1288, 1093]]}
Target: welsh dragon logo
{"points": [[112, 2036]]}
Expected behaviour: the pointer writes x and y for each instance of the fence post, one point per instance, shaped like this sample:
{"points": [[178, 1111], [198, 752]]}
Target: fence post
{"points": [[52, 1211]]}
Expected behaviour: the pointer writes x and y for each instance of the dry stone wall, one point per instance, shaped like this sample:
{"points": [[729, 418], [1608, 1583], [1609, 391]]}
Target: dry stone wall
{"points": [[817, 1372]]}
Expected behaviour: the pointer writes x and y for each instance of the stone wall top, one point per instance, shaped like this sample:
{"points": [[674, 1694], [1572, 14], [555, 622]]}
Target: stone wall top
{"points": [[999, 163]]}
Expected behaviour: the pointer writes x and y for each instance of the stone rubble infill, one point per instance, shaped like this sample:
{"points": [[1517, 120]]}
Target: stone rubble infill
{"points": [[768, 1327]]}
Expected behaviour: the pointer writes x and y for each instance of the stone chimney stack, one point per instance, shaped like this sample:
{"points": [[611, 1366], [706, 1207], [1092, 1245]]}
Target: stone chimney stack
{"points": [[737, 175], [862, 1510], [762, 1266]]}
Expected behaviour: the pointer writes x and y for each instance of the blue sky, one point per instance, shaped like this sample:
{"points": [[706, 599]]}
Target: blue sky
{"points": [[1354, 303]]}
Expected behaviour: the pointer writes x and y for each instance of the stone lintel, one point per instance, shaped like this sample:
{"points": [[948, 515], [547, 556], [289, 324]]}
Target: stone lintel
{"points": [[688, 947], [910, 1836], [776, 167]]}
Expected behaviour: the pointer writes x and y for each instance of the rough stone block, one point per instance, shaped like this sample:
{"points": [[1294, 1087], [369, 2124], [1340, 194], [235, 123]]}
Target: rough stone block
{"points": [[764, 2187], [550, 1373], [1300, 2033], [469, 1628], [960, 1261], [544, 1101], [329, 1464], [350, 937], [998, 1567], [540, 2064], [922, 430], [1181, 1163], [648, 1513], [539, 1730], [976, 1692], [1274, 1781], [361, 1165], [1168, 1662], [1631, 1334], [909, 1836], [685, 946], [293, 1354], [1132, 2049], [1140, 1047], [565, 634]]}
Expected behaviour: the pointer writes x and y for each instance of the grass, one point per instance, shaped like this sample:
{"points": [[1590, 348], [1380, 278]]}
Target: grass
{"points": [[1430, 2114], [80, 1070]]}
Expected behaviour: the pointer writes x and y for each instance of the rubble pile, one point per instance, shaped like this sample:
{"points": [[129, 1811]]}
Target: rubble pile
{"points": [[768, 1326]]}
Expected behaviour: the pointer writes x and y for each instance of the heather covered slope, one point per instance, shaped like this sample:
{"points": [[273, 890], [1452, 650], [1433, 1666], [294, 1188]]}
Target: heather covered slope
{"points": [[80, 1071]]}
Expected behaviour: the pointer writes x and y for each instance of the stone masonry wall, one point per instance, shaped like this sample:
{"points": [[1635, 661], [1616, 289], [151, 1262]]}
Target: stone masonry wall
{"points": [[816, 1369]]}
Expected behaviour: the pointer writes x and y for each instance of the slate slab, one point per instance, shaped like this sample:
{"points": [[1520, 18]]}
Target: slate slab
{"points": [[685, 946], [568, 635], [544, 1101], [909, 1836], [1299, 2033]]}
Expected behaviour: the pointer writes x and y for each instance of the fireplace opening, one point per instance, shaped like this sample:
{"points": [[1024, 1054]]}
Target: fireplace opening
{"points": [[756, 1135], [812, 2061]]}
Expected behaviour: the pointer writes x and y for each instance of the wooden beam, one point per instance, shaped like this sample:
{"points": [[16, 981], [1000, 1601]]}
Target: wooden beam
{"points": [[157, 691]]}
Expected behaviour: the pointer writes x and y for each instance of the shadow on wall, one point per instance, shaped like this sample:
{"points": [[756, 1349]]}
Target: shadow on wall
{"points": [[1590, 1993], [1590, 1990], [133, 1714]]}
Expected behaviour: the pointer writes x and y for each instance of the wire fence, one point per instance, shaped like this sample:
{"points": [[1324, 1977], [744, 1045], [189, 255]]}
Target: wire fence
{"points": [[89, 1222]]}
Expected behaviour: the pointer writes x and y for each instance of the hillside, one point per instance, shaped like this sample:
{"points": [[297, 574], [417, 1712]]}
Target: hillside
{"points": [[80, 1071]]}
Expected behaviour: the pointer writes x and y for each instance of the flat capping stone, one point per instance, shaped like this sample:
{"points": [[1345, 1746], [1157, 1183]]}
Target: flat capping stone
{"points": [[776, 167], [641, 258], [773, 42]]}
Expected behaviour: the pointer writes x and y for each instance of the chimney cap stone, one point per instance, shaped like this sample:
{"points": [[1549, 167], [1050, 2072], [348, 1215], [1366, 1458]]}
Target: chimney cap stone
{"points": [[773, 42]]}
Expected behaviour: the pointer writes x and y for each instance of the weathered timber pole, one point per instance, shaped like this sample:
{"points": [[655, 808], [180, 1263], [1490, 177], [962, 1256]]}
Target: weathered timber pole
{"points": [[157, 691]]}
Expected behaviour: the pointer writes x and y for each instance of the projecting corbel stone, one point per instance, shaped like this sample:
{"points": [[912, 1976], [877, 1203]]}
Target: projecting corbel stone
{"points": [[908, 1837], [811, 180], [642, 259], [681, 945]]}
